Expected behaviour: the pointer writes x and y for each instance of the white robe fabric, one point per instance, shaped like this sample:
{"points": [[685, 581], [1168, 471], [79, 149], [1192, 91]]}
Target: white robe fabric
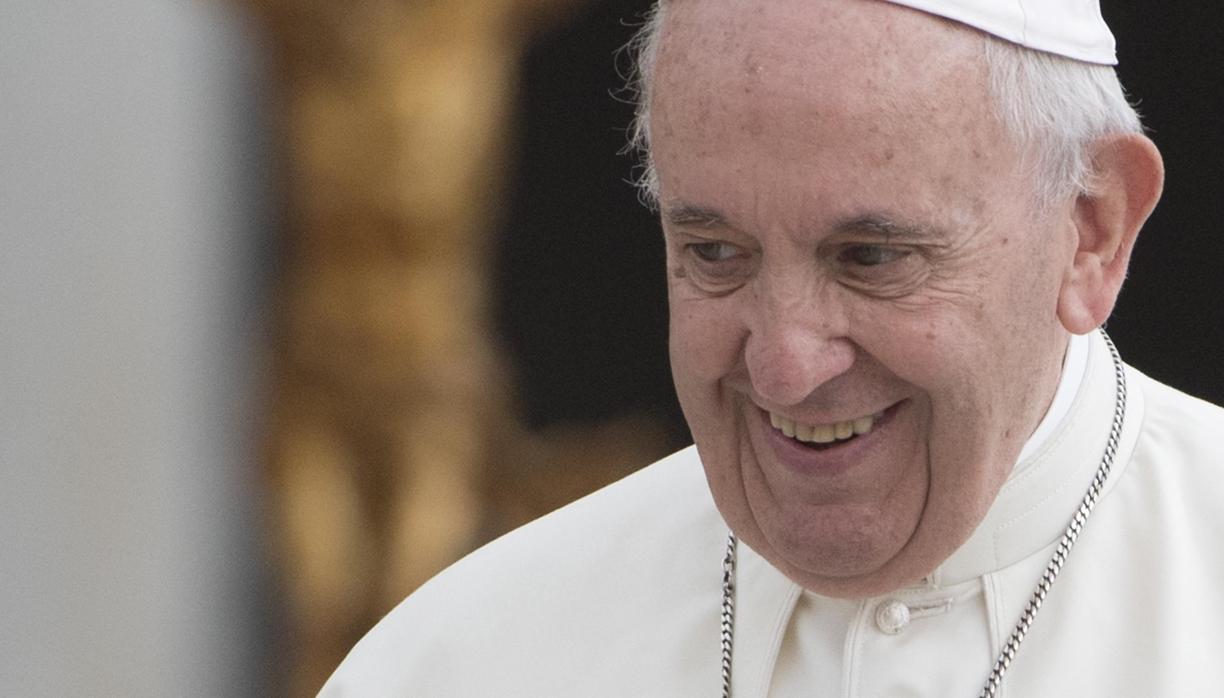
{"points": [[619, 594]]}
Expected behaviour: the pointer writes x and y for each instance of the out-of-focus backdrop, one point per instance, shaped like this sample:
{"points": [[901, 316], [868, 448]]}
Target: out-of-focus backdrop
{"points": [[301, 300]]}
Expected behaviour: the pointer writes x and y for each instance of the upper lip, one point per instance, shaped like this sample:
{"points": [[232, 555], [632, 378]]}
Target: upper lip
{"points": [[828, 421]]}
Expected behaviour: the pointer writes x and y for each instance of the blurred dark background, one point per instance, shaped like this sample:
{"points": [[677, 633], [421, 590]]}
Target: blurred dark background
{"points": [[579, 284], [1170, 320]]}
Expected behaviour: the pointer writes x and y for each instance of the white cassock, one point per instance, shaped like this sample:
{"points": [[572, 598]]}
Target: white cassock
{"points": [[619, 594]]}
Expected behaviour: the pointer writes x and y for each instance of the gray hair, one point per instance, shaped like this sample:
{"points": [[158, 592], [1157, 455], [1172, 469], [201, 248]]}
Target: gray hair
{"points": [[1053, 107]]}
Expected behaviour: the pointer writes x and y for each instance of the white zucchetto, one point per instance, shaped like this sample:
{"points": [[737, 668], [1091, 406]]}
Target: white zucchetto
{"points": [[1071, 28]]}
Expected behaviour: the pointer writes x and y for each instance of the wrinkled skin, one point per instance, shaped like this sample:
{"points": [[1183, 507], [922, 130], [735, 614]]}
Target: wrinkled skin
{"points": [[849, 232]]}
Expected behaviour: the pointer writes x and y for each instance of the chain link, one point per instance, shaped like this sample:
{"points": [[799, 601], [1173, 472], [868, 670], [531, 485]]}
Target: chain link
{"points": [[728, 614]]}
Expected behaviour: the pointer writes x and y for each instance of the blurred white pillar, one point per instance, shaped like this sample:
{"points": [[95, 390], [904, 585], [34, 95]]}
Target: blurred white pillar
{"points": [[130, 233]]}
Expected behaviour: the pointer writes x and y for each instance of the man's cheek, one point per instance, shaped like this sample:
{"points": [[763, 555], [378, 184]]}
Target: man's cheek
{"points": [[703, 347]]}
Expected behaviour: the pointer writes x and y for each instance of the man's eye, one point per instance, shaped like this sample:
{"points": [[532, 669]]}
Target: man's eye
{"points": [[714, 251], [872, 255]]}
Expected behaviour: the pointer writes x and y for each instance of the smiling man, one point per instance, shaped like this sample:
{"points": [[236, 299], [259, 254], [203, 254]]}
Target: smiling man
{"points": [[892, 231]]}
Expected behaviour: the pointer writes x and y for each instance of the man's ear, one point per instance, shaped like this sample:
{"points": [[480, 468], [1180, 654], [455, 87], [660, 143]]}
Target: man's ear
{"points": [[1127, 181]]}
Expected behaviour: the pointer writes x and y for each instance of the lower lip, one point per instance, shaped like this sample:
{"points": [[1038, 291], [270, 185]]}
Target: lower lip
{"points": [[833, 458]]}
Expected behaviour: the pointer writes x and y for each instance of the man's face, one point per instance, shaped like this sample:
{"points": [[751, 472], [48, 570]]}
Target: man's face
{"points": [[853, 258]]}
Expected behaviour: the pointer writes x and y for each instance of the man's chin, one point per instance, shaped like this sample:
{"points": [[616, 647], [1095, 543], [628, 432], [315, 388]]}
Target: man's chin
{"points": [[854, 582], [864, 563]]}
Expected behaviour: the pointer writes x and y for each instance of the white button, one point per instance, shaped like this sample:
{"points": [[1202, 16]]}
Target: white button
{"points": [[892, 616]]}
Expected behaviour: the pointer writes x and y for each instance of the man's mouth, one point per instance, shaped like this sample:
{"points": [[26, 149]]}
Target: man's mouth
{"points": [[824, 433]]}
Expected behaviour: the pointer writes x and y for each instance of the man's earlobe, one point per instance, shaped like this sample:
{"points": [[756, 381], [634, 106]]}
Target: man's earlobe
{"points": [[1127, 181]]}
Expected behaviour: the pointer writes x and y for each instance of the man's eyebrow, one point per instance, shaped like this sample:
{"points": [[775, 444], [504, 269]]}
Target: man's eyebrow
{"points": [[699, 216], [886, 227]]}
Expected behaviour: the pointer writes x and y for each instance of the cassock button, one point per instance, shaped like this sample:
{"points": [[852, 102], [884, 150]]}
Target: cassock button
{"points": [[892, 616]]}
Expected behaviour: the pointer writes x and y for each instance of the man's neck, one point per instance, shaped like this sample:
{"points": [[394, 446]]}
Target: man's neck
{"points": [[1075, 361]]}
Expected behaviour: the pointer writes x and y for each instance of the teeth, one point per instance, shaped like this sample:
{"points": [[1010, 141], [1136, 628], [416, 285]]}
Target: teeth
{"points": [[844, 430], [823, 433]]}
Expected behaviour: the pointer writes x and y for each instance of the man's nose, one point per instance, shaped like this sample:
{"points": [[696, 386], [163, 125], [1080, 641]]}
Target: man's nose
{"points": [[790, 353]]}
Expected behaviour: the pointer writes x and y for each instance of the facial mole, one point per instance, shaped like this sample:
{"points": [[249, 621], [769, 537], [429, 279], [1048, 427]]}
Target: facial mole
{"points": [[889, 154], [679, 273]]}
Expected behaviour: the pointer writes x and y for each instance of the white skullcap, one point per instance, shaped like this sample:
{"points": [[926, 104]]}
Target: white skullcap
{"points": [[1071, 28]]}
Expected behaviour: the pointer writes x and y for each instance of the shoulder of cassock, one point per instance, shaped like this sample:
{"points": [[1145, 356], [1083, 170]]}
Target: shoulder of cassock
{"points": [[1175, 477], [619, 593], [1137, 608], [614, 594]]}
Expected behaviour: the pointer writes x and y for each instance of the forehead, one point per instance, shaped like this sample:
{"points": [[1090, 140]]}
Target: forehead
{"points": [[860, 95], [877, 49]]}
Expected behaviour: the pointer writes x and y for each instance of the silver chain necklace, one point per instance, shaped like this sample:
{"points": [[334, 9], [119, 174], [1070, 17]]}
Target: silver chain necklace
{"points": [[1001, 665]]}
